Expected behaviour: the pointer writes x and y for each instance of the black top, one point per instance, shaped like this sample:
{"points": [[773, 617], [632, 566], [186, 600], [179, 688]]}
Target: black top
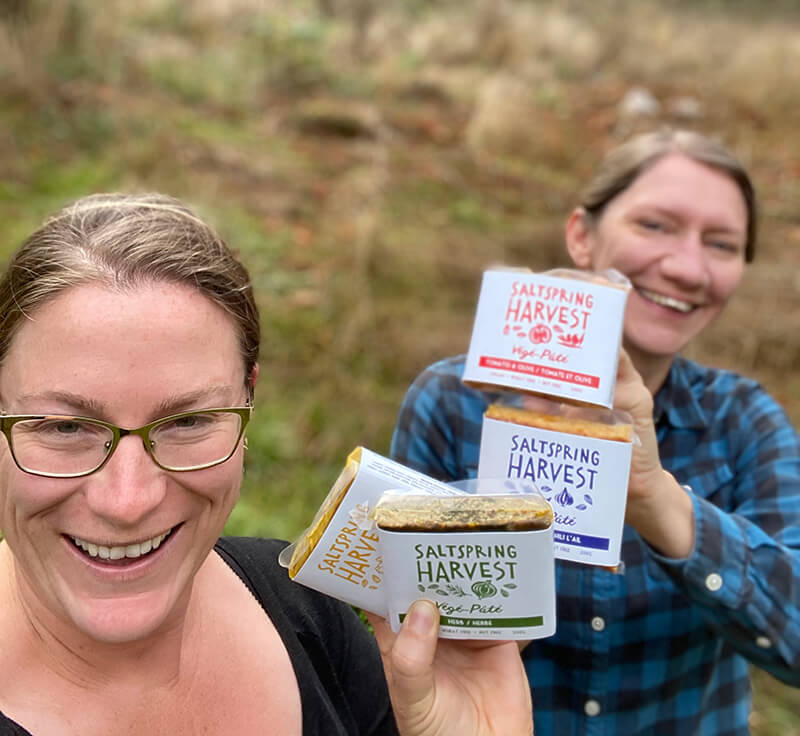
{"points": [[342, 687]]}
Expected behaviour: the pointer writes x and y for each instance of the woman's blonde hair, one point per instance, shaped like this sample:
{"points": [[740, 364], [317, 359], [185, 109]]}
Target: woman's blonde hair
{"points": [[623, 165], [122, 241]]}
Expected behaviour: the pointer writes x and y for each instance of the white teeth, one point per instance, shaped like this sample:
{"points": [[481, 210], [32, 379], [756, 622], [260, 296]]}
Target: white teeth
{"points": [[666, 301], [118, 552]]}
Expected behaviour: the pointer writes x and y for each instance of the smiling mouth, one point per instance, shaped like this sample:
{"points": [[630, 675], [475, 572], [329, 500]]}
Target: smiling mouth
{"points": [[666, 301], [120, 552]]}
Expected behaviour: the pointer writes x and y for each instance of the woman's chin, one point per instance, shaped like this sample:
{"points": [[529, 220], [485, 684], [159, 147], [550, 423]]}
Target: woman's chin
{"points": [[121, 620], [657, 341]]}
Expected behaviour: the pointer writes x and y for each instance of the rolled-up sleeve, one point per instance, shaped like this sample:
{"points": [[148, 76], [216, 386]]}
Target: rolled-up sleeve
{"points": [[744, 571]]}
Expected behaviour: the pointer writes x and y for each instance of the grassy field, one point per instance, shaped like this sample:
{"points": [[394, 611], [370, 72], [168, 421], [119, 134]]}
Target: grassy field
{"points": [[370, 159]]}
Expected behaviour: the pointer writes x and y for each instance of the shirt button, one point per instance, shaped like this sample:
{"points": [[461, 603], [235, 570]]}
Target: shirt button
{"points": [[591, 708], [598, 623], [714, 582], [764, 642]]}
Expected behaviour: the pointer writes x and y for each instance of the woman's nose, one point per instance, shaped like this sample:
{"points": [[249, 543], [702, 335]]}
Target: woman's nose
{"points": [[129, 486], [686, 262]]}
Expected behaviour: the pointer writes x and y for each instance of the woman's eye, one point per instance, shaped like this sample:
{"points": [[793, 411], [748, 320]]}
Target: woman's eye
{"points": [[653, 225], [725, 246], [66, 427], [186, 422], [192, 422]]}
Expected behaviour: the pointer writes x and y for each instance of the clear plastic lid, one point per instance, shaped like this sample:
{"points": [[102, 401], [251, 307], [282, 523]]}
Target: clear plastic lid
{"points": [[484, 505], [533, 410], [607, 277]]}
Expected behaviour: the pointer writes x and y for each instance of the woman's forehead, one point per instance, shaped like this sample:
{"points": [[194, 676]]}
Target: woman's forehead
{"points": [[158, 305], [92, 340], [677, 180]]}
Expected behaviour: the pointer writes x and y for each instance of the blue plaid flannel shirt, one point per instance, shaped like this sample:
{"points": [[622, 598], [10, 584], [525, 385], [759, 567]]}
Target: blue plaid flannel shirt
{"points": [[663, 648]]}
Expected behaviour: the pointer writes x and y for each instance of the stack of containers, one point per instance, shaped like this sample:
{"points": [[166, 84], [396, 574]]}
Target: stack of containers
{"points": [[549, 344], [387, 535], [339, 553]]}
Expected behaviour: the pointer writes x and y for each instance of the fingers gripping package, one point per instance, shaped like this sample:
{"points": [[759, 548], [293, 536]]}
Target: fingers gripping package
{"points": [[486, 560], [578, 457], [339, 553], [556, 333]]}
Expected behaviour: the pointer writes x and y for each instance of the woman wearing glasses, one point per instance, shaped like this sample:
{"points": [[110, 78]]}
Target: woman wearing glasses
{"points": [[128, 345]]}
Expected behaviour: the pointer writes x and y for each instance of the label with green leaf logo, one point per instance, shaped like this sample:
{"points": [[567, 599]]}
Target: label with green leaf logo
{"points": [[487, 585]]}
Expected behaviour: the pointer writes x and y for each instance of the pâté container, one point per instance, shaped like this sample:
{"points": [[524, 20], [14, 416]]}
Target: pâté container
{"points": [[485, 559], [556, 333], [578, 457], [339, 553]]}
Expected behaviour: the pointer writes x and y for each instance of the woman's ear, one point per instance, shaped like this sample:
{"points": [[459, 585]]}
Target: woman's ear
{"points": [[580, 238], [251, 379]]}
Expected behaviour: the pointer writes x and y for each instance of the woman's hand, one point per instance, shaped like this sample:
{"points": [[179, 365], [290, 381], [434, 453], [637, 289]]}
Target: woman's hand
{"points": [[633, 397], [445, 687], [657, 507]]}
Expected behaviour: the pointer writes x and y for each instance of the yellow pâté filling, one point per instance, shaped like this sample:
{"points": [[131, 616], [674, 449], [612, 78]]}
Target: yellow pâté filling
{"points": [[465, 513], [323, 517], [569, 425]]}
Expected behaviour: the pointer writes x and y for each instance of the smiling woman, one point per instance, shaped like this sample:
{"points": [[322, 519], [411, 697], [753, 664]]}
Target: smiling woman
{"points": [[711, 549], [128, 361], [679, 233], [676, 213]]}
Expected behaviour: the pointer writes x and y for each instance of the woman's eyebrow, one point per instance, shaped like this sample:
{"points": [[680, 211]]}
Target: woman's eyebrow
{"points": [[86, 406], [205, 398], [650, 210], [82, 405], [720, 229]]}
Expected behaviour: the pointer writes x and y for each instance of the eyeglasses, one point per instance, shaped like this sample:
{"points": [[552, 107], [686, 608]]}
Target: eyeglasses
{"points": [[57, 446]]}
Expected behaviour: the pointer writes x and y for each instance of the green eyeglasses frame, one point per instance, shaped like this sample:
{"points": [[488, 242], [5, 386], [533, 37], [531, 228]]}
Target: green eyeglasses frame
{"points": [[7, 421]]}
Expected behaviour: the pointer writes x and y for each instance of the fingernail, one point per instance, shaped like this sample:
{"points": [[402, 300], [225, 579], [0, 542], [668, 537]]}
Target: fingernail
{"points": [[421, 616]]}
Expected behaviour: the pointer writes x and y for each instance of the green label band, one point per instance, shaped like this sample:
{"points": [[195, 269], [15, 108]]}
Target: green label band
{"points": [[483, 623]]}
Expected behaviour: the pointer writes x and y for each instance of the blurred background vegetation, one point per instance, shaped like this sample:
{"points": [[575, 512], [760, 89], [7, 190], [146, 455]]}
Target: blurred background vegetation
{"points": [[370, 158]]}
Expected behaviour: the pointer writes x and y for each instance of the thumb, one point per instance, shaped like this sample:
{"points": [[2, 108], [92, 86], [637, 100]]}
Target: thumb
{"points": [[412, 655], [631, 394]]}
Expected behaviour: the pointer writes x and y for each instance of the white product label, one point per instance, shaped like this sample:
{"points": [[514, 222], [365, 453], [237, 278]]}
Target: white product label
{"points": [[346, 563], [584, 479], [487, 585], [546, 334]]}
